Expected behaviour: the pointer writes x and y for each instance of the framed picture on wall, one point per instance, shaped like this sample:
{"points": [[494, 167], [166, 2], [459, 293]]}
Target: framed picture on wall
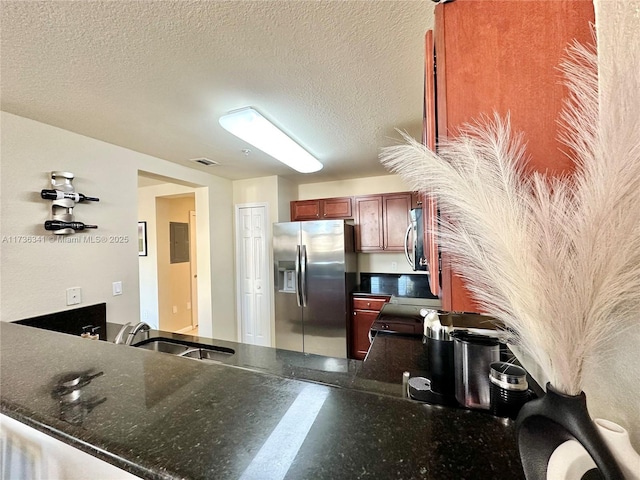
{"points": [[142, 239]]}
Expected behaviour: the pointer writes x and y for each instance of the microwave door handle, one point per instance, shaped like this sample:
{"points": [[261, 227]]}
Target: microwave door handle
{"points": [[298, 300], [406, 247], [303, 275]]}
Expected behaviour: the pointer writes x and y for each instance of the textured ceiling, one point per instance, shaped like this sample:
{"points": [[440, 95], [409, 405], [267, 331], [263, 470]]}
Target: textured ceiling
{"points": [[338, 76]]}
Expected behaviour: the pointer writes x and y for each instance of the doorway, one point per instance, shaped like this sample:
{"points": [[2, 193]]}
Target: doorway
{"points": [[158, 297], [252, 265], [174, 259], [193, 264]]}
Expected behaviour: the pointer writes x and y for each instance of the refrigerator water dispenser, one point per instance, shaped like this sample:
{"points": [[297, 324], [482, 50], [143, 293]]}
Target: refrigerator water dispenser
{"points": [[286, 277]]}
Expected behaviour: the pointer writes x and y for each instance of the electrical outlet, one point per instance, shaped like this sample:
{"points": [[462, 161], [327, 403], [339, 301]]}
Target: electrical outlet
{"points": [[394, 266], [74, 296]]}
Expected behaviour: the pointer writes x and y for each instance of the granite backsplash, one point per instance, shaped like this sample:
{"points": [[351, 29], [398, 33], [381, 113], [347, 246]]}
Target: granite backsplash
{"points": [[400, 285]]}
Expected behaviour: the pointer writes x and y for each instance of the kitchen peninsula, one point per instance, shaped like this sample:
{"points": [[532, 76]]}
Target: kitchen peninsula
{"points": [[282, 414]]}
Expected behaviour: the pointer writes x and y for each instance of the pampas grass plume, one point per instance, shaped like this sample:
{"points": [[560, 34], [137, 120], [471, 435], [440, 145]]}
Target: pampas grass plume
{"points": [[555, 259]]}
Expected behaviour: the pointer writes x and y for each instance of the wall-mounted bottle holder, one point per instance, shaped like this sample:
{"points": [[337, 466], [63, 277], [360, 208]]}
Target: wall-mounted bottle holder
{"points": [[62, 209], [63, 200]]}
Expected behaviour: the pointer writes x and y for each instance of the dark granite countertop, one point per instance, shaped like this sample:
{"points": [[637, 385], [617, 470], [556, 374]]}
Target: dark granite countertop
{"points": [[168, 417]]}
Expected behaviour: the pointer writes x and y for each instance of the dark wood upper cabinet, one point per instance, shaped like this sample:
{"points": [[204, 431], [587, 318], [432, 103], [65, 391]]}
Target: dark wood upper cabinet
{"points": [[337, 207], [369, 235], [382, 221], [501, 56], [322, 209], [396, 219]]}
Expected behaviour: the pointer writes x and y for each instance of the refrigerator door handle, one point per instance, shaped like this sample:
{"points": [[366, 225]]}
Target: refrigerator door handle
{"points": [[303, 275], [298, 298]]}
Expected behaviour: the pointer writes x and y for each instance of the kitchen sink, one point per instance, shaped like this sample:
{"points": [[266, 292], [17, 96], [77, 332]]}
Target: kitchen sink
{"points": [[183, 348], [206, 354]]}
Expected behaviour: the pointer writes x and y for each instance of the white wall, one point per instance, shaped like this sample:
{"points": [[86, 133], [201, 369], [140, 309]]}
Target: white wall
{"points": [[611, 381], [355, 186], [36, 275], [287, 192], [257, 190]]}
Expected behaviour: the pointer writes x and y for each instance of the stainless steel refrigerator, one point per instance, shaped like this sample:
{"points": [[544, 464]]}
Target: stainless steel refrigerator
{"points": [[315, 270]]}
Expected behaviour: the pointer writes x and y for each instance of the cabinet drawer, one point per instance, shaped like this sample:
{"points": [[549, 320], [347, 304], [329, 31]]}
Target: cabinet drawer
{"points": [[360, 303]]}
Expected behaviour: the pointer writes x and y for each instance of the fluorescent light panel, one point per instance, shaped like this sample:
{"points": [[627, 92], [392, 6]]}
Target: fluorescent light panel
{"points": [[247, 124]]}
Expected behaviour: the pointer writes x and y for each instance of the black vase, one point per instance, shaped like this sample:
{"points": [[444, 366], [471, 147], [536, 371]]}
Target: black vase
{"points": [[547, 422]]}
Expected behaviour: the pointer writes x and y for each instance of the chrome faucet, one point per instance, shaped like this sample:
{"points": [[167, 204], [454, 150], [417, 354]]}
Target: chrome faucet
{"points": [[120, 337], [141, 326]]}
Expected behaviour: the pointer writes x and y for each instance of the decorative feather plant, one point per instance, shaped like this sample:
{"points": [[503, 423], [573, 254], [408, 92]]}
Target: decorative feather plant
{"points": [[556, 259]]}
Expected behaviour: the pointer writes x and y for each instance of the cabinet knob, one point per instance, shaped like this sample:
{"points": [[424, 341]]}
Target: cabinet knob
{"points": [[368, 304]]}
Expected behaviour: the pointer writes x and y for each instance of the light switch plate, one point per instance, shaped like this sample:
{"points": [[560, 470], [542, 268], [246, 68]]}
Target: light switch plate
{"points": [[74, 295], [117, 288]]}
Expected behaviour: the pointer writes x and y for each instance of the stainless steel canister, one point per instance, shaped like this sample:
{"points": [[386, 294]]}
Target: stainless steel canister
{"points": [[509, 389], [439, 346], [472, 357]]}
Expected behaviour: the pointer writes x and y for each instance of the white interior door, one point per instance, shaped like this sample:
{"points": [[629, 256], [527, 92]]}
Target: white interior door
{"points": [[253, 274]]}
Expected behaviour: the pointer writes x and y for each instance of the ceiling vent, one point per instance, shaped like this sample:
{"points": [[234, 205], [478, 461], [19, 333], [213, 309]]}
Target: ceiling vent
{"points": [[204, 161]]}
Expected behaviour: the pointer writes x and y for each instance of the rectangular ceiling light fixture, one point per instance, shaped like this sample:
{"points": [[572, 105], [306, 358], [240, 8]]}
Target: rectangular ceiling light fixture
{"points": [[247, 124]]}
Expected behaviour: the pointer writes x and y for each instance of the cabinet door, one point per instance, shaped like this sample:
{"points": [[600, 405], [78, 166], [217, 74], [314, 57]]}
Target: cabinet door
{"points": [[369, 235], [336, 208], [305, 210], [361, 324], [429, 203], [474, 78], [396, 218]]}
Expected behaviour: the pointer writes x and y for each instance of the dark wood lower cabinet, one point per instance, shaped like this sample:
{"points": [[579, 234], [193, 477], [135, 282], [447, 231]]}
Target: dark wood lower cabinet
{"points": [[364, 313]]}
